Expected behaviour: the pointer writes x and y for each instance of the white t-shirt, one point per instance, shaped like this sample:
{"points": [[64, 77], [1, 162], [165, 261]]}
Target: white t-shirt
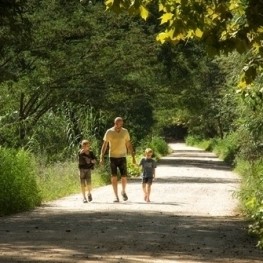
{"points": [[117, 142]]}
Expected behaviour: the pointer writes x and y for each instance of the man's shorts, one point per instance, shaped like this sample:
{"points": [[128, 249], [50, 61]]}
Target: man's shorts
{"points": [[118, 163], [147, 180], [85, 176]]}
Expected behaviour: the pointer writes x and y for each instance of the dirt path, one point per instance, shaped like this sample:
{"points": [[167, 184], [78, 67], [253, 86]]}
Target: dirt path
{"points": [[193, 217]]}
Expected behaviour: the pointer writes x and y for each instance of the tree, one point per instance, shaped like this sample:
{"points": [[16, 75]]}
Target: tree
{"points": [[222, 25]]}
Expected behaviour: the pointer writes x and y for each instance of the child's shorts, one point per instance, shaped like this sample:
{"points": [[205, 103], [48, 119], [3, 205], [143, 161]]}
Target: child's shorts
{"points": [[85, 176], [147, 180]]}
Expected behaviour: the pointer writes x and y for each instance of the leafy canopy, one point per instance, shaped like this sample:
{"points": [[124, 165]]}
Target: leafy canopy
{"points": [[222, 25]]}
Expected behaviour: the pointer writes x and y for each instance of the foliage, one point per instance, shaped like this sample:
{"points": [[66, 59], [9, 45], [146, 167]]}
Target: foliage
{"points": [[251, 194], [70, 65], [18, 189], [207, 145], [221, 25], [227, 148], [156, 143], [57, 180]]}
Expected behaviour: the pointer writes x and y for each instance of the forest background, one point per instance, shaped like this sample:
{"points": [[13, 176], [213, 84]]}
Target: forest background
{"points": [[69, 68]]}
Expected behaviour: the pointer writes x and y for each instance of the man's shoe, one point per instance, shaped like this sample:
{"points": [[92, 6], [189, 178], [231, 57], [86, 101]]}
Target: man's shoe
{"points": [[124, 196], [85, 200]]}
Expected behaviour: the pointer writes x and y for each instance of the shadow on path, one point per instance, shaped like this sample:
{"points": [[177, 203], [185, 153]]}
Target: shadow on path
{"points": [[92, 235], [199, 159]]}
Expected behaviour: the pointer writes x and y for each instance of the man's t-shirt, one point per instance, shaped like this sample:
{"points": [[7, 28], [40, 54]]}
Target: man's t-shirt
{"points": [[148, 166], [117, 142]]}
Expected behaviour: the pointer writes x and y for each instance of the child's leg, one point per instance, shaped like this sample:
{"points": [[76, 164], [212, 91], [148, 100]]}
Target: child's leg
{"points": [[89, 192], [89, 188], [148, 190], [83, 190], [89, 185], [144, 191]]}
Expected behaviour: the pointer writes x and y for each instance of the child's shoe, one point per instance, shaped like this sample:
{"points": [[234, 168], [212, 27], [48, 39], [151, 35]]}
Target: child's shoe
{"points": [[89, 197]]}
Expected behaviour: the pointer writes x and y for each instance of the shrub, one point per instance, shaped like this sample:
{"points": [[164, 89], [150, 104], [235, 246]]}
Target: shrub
{"points": [[156, 143], [18, 188], [227, 148], [206, 144], [251, 194]]}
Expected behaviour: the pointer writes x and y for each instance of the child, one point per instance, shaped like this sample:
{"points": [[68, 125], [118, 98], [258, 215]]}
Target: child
{"points": [[86, 159], [148, 173]]}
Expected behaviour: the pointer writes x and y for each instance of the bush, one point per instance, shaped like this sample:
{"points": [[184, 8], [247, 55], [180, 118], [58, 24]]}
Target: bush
{"points": [[251, 194], [18, 188], [156, 143], [207, 145], [227, 148]]}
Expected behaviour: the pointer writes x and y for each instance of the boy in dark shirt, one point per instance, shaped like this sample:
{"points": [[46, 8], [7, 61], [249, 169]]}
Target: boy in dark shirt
{"points": [[86, 159]]}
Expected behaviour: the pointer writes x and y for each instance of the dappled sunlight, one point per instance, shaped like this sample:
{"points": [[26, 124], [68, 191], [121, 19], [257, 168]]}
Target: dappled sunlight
{"points": [[131, 237]]}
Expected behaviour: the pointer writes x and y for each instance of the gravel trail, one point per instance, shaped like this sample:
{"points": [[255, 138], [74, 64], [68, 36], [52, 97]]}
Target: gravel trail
{"points": [[193, 217]]}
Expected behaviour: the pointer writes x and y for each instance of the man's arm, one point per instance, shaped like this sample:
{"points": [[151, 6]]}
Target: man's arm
{"points": [[131, 151], [103, 150]]}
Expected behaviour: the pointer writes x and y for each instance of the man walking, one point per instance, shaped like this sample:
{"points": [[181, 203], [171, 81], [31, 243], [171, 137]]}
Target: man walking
{"points": [[118, 139]]}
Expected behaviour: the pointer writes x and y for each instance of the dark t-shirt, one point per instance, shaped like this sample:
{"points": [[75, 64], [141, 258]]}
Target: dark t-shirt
{"points": [[85, 160], [148, 166]]}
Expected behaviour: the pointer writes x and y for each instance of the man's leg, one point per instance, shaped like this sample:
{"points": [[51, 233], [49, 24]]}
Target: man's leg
{"points": [[114, 182], [123, 171], [123, 183], [114, 178]]}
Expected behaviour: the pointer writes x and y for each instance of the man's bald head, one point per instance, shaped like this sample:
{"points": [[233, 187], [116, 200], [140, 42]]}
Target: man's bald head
{"points": [[118, 119]]}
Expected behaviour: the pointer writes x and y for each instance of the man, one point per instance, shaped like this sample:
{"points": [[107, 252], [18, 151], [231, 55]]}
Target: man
{"points": [[118, 139]]}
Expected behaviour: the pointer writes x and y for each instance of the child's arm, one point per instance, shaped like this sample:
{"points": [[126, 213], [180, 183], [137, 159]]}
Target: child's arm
{"points": [[154, 169], [93, 158]]}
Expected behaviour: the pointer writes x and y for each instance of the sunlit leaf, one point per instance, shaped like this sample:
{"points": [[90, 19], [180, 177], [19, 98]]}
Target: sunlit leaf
{"points": [[162, 37], [199, 33], [144, 12], [109, 4], [166, 17]]}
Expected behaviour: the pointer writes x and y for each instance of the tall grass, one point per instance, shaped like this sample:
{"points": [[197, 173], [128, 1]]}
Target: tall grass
{"points": [[61, 179], [18, 188]]}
